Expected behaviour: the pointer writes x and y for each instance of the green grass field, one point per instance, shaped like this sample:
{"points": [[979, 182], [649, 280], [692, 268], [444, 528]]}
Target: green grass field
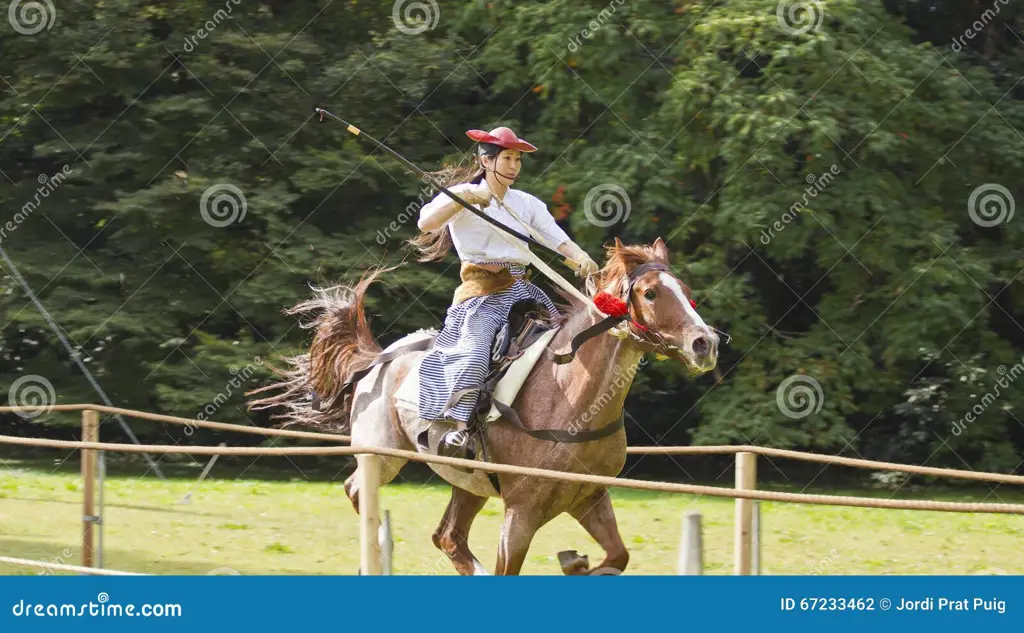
{"points": [[300, 527]]}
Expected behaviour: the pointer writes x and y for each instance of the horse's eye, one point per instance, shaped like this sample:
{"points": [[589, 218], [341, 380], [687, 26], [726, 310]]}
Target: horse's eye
{"points": [[649, 294]]}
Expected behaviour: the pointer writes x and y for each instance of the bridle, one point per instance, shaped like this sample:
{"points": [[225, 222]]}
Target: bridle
{"points": [[646, 336], [618, 310]]}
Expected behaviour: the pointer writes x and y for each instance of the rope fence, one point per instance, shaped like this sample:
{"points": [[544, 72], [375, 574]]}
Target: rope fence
{"points": [[52, 567], [834, 460], [635, 484], [744, 493]]}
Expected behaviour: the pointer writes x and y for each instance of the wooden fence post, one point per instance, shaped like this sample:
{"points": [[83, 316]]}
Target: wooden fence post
{"points": [[746, 479], [691, 551], [90, 425], [369, 514]]}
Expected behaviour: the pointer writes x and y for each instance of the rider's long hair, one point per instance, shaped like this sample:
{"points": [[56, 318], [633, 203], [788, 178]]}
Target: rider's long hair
{"points": [[434, 245]]}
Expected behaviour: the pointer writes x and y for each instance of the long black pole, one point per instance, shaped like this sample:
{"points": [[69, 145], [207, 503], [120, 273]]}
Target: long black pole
{"points": [[426, 177]]}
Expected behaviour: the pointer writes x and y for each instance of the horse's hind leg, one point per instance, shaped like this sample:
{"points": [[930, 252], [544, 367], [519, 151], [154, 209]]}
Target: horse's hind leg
{"points": [[452, 535], [388, 470], [373, 425], [597, 517]]}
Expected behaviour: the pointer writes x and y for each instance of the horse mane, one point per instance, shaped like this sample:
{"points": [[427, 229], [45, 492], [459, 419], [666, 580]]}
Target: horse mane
{"points": [[619, 261]]}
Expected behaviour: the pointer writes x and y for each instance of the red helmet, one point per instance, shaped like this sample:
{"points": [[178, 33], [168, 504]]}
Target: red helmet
{"points": [[502, 137]]}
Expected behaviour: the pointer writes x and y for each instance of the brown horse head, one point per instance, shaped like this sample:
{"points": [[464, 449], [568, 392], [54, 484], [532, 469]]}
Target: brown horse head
{"points": [[665, 319]]}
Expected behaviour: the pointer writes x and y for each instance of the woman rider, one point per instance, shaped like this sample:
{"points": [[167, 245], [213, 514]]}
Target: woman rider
{"points": [[492, 274]]}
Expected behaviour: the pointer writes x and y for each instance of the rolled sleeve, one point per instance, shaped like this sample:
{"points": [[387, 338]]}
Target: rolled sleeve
{"points": [[541, 220], [440, 200]]}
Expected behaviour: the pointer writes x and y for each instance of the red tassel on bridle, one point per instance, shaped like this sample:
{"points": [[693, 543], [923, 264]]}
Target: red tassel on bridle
{"points": [[615, 307]]}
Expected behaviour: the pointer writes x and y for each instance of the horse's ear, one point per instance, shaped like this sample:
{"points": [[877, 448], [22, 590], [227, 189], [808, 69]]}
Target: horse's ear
{"points": [[660, 250], [618, 243]]}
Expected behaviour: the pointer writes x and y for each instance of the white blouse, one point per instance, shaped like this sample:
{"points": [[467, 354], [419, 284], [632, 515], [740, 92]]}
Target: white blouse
{"points": [[477, 241]]}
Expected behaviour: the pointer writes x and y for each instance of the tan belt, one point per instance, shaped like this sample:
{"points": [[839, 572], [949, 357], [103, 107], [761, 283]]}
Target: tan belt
{"points": [[478, 281]]}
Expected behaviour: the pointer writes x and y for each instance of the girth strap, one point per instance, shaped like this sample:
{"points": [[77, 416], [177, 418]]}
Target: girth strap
{"points": [[551, 435], [560, 435]]}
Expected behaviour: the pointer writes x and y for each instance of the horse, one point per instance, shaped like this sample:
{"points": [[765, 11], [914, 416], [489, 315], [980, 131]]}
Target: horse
{"points": [[553, 396]]}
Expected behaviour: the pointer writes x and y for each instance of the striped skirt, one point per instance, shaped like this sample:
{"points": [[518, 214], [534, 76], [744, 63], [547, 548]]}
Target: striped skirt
{"points": [[461, 356]]}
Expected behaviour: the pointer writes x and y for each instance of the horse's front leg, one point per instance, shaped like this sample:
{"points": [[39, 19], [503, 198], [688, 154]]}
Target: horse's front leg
{"points": [[516, 535], [597, 517]]}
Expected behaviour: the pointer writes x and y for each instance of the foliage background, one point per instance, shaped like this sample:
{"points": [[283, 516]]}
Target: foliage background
{"points": [[711, 116]]}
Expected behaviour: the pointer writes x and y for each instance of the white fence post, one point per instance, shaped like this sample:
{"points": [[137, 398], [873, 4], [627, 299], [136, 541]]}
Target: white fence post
{"points": [[755, 533], [387, 544], [691, 550]]}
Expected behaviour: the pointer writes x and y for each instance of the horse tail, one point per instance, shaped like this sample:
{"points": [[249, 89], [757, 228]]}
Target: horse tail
{"points": [[342, 345]]}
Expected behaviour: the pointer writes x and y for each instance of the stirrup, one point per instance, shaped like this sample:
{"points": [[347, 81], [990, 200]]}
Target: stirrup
{"points": [[453, 443]]}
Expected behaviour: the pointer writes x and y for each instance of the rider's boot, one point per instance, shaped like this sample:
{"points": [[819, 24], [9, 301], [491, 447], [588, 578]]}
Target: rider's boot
{"points": [[455, 443]]}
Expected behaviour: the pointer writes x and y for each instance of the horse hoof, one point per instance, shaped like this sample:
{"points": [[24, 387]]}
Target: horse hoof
{"points": [[573, 564]]}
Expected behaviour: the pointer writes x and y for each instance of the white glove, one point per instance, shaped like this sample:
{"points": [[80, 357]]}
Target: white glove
{"points": [[587, 266], [477, 194]]}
